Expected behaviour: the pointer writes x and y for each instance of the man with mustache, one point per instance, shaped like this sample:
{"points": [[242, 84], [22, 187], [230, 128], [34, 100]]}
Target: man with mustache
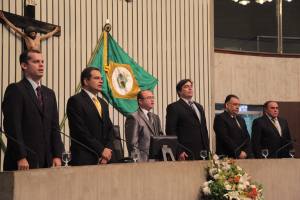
{"points": [[89, 122]]}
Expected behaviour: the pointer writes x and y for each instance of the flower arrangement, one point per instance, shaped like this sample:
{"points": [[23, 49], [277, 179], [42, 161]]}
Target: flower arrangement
{"points": [[228, 181]]}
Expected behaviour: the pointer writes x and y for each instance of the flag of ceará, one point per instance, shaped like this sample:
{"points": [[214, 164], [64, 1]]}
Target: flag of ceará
{"points": [[122, 77]]}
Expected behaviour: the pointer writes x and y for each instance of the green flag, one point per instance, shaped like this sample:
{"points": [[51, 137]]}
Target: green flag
{"points": [[122, 77]]}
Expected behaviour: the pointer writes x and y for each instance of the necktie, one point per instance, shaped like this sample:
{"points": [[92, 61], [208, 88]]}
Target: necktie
{"points": [[191, 103], [277, 125], [150, 118], [98, 105], [237, 122], [39, 96]]}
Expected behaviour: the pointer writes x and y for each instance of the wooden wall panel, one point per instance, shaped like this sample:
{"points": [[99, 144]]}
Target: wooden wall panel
{"points": [[171, 39]]}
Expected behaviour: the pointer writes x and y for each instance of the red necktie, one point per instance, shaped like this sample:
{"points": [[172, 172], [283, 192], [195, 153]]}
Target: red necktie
{"points": [[39, 96]]}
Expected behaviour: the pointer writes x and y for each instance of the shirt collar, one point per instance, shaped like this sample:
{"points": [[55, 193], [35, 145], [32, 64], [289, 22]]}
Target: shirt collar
{"points": [[271, 118], [91, 95], [145, 111], [33, 83], [187, 100], [231, 115]]}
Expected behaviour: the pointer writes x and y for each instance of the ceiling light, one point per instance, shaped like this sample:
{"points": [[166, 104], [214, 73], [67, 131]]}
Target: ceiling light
{"points": [[244, 2], [260, 1]]}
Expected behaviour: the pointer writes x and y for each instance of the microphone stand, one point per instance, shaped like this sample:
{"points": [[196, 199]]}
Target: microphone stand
{"points": [[21, 144], [282, 147], [82, 145]]}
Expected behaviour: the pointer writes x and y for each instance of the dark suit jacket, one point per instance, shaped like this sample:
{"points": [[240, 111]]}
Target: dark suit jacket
{"points": [[266, 136], [25, 121], [181, 120], [230, 138], [89, 128], [138, 131]]}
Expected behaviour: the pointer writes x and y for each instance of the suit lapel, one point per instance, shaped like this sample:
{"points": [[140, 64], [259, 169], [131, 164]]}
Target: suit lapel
{"points": [[31, 94], [142, 115], [186, 106], [271, 125], [90, 104]]}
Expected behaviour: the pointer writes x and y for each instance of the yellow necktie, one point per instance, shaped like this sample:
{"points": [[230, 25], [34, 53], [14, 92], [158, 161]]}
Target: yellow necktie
{"points": [[98, 106]]}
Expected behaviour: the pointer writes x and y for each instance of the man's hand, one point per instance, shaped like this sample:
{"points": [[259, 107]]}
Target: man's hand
{"points": [[106, 154], [23, 164], [243, 155], [103, 161], [57, 29], [183, 156], [56, 162]]}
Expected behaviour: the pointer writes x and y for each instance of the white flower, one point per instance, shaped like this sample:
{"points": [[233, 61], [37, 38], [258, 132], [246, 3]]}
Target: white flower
{"points": [[213, 171], [205, 184], [244, 179], [239, 168], [241, 186], [233, 195], [226, 166], [215, 157], [206, 191], [246, 198], [228, 187], [216, 176], [253, 186]]}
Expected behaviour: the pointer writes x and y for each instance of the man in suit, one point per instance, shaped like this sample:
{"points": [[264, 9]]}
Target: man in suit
{"points": [[140, 125], [89, 122], [31, 118], [232, 137], [271, 132], [186, 119]]}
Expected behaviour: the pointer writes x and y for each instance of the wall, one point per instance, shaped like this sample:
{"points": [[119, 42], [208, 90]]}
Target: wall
{"points": [[256, 79], [171, 39]]}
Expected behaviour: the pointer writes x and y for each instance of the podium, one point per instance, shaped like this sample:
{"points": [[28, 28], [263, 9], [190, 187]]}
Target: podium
{"points": [[147, 181]]}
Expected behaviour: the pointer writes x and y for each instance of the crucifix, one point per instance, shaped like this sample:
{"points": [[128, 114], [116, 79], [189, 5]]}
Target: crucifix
{"points": [[30, 26]]}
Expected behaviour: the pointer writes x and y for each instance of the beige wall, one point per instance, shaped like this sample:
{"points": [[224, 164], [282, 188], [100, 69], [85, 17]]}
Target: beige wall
{"points": [[171, 39], [256, 79]]}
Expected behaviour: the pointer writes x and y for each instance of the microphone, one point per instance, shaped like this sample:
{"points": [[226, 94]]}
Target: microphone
{"points": [[187, 149], [22, 144], [82, 145], [283, 146], [240, 146]]}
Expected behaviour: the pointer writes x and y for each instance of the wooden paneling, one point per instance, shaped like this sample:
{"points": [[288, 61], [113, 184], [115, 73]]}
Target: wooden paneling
{"points": [[171, 39]]}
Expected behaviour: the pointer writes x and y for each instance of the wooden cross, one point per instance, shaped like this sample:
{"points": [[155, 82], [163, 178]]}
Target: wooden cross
{"points": [[28, 20]]}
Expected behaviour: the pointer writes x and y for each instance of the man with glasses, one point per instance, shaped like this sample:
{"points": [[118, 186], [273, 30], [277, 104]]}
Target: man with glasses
{"points": [[186, 119], [140, 125], [232, 137]]}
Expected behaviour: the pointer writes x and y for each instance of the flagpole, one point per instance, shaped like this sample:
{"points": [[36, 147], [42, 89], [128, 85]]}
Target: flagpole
{"points": [[106, 29]]}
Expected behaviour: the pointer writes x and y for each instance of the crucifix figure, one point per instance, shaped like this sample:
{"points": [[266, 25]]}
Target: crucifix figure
{"points": [[31, 27]]}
